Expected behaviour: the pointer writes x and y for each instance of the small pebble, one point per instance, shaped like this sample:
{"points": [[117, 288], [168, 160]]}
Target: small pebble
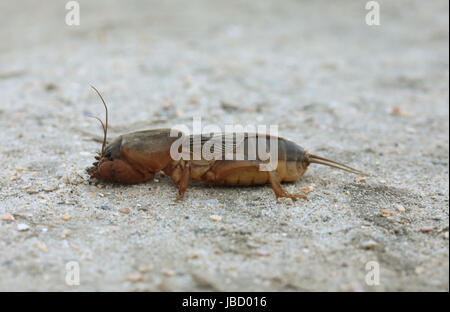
{"points": [[66, 217], [193, 255], [263, 253], [400, 208], [362, 179], [8, 217], [134, 277], [307, 189], [400, 112], [419, 270], [125, 210], [41, 246], [252, 245], [23, 227], [64, 234], [167, 272], [426, 229], [387, 213], [215, 218], [370, 244], [73, 177], [146, 268]]}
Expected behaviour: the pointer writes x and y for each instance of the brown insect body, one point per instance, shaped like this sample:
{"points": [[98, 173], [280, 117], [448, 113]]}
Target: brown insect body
{"points": [[136, 157]]}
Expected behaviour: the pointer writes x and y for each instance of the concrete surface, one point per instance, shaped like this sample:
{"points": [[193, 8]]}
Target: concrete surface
{"points": [[374, 97]]}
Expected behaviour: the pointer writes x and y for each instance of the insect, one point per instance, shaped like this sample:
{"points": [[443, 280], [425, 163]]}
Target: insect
{"points": [[136, 157]]}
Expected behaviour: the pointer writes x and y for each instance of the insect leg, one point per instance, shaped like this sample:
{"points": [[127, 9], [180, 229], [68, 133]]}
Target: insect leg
{"points": [[184, 182], [279, 191]]}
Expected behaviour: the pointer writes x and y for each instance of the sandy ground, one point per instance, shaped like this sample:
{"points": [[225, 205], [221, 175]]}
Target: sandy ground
{"points": [[373, 97]]}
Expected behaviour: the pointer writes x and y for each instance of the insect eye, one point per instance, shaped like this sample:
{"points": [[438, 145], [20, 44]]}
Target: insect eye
{"points": [[107, 155]]}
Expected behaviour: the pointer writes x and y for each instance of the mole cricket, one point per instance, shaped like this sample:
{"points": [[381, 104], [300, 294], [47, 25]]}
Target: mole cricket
{"points": [[137, 156]]}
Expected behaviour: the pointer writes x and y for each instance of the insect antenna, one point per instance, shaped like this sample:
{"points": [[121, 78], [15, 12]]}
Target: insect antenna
{"points": [[104, 125], [334, 164]]}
